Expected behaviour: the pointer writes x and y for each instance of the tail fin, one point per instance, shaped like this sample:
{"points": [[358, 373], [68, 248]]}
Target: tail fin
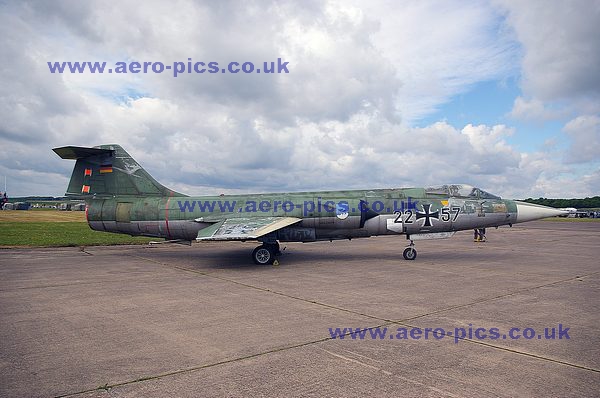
{"points": [[108, 170]]}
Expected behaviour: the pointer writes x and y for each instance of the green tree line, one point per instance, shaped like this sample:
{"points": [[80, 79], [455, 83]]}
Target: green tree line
{"points": [[585, 203]]}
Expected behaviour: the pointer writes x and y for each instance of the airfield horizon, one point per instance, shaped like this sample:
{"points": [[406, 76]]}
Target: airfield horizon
{"points": [[53, 228]]}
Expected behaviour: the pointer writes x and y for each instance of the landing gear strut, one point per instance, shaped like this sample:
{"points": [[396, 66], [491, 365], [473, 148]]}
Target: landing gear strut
{"points": [[266, 253], [410, 253]]}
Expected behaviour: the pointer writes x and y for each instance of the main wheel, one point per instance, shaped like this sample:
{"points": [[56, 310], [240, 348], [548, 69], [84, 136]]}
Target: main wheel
{"points": [[409, 253], [263, 255]]}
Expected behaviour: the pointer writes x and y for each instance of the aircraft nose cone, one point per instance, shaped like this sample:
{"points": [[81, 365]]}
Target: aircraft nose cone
{"points": [[530, 212]]}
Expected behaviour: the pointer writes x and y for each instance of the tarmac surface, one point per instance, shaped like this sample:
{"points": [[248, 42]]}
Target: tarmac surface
{"points": [[182, 321]]}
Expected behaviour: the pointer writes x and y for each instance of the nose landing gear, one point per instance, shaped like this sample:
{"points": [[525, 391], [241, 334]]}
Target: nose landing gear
{"points": [[410, 253]]}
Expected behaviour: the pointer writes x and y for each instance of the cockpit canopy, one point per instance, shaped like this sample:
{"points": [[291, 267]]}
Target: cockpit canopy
{"points": [[461, 191]]}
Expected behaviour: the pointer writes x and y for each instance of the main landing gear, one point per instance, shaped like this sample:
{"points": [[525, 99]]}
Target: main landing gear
{"points": [[266, 253], [410, 253]]}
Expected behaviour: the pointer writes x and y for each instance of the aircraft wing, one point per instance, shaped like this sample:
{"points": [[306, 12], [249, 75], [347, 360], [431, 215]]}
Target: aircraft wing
{"points": [[244, 228]]}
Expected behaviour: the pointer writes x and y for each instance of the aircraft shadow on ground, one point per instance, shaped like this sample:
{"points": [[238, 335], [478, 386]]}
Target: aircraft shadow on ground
{"points": [[239, 258]]}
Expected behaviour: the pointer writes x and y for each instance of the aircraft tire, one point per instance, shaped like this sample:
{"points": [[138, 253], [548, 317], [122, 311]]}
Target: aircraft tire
{"points": [[409, 253], [263, 255]]}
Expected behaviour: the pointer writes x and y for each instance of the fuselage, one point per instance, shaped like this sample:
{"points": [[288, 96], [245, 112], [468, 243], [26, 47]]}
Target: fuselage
{"points": [[122, 197], [326, 215]]}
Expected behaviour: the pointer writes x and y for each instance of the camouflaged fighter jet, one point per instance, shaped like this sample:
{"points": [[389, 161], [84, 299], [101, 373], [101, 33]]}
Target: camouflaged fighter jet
{"points": [[122, 197]]}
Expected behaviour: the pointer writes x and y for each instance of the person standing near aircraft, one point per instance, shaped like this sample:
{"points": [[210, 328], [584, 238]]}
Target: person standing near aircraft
{"points": [[479, 235]]}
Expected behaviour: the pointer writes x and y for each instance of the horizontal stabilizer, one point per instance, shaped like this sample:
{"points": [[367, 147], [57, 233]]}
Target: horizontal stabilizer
{"points": [[245, 228], [79, 152]]}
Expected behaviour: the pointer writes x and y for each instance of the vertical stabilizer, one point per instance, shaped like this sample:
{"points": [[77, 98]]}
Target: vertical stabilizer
{"points": [[107, 170]]}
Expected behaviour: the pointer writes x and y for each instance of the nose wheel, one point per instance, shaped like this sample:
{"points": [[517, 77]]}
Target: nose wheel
{"points": [[410, 253]]}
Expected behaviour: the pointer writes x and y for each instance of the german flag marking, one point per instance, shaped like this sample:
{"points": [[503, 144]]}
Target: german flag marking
{"points": [[106, 169]]}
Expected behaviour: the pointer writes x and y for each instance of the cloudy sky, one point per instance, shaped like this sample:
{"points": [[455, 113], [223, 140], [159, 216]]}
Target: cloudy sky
{"points": [[504, 95]]}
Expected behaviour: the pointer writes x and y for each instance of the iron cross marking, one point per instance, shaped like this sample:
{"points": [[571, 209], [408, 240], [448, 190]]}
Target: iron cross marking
{"points": [[427, 215]]}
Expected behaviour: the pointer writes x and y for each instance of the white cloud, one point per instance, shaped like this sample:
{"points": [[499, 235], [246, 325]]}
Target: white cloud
{"points": [[559, 74], [561, 41], [440, 49], [584, 132], [535, 110]]}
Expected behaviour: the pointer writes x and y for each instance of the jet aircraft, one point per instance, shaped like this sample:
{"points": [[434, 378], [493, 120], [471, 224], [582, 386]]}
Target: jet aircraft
{"points": [[122, 197]]}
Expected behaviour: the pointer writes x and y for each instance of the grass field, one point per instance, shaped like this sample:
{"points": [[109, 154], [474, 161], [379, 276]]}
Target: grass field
{"points": [[41, 216], [55, 228], [571, 219]]}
